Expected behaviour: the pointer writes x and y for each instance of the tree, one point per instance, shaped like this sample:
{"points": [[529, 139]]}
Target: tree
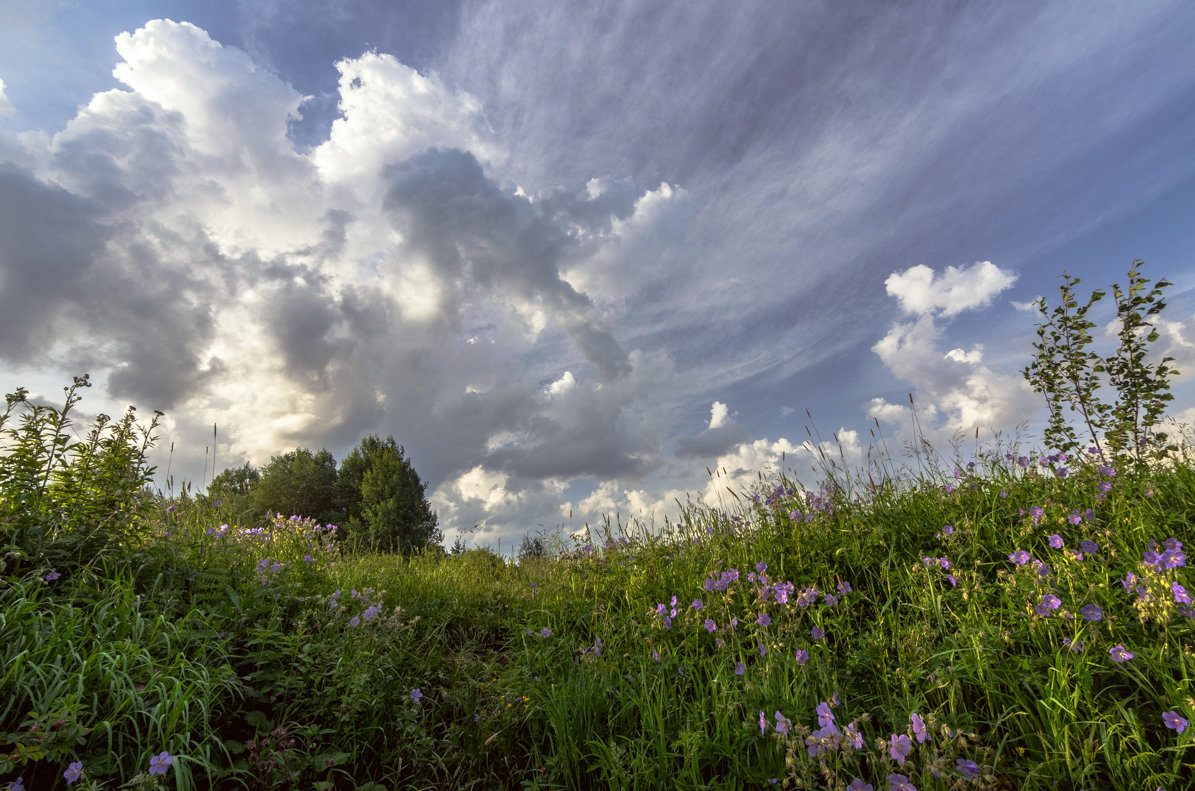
{"points": [[233, 489], [299, 482], [382, 500], [1070, 375]]}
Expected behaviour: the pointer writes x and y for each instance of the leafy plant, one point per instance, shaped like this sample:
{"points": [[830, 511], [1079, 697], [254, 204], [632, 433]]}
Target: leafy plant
{"points": [[1069, 373], [64, 502]]}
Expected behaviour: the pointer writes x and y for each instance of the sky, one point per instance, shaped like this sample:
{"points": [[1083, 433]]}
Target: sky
{"points": [[579, 258]]}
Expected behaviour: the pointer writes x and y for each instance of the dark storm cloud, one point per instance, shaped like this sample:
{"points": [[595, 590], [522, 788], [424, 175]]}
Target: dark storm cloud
{"points": [[50, 240], [713, 442], [447, 208]]}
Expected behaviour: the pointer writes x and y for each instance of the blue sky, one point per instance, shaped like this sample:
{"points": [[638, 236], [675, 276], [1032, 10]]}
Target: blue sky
{"points": [[570, 255]]}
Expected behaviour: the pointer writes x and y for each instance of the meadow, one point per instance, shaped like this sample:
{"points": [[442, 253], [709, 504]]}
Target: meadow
{"points": [[1021, 622], [1000, 619]]}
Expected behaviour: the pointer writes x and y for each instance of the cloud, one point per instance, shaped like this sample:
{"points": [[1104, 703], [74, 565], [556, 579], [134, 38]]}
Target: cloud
{"points": [[720, 436], [953, 386], [6, 107], [922, 293]]}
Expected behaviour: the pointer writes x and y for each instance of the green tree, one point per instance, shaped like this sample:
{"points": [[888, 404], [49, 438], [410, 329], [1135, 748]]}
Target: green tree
{"points": [[233, 490], [298, 482], [382, 500], [1069, 374]]}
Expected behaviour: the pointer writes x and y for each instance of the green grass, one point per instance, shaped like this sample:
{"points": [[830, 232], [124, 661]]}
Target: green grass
{"points": [[269, 660]]}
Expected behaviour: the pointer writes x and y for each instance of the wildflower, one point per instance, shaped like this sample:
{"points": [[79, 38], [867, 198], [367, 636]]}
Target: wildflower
{"points": [[739, 668], [953, 581], [734, 622], [967, 767], [1089, 547], [1042, 569], [1104, 486], [763, 724], [17, 785], [1077, 646], [763, 619], [416, 694], [844, 587], [944, 563], [1056, 541], [802, 656], [655, 655], [710, 626], [1023, 461], [1048, 602], [947, 531], [900, 783], [73, 772], [545, 632], [354, 621], [1062, 472], [160, 763], [830, 599], [697, 605], [761, 567], [824, 715], [53, 575], [762, 651], [816, 633], [919, 730], [1180, 593], [308, 559], [899, 748], [1092, 612], [858, 785], [1120, 654], [1036, 512], [782, 723], [1174, 722], [1020, 557], [372, 611], [853, 737]]}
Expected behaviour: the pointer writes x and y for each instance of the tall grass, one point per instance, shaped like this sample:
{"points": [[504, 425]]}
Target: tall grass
{"points": [[1021, 623]]}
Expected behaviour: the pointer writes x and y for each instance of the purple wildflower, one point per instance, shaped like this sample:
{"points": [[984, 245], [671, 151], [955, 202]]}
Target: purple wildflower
{"points": [[1089, 547], [697, 605], [739, 668], [858, 785], [1180, 593], [1092, 612], [816, 633], [919, 729], [947, 531], [710, 626], [967, 767], [763, 724], [761, 567], [73, 772], [1174, 721], [17, 785], [545, 632], [763, 619], [900, 783], [824, 715], [844, 587], [762, 651], [160, 763], [354, 621], [1056, 541], [416, 694], [53, 575], [1048, 602], [802, 656], [782, 723], [655, 654], [1020, 557], [1120, 654], [899, 748], [830, 599]]}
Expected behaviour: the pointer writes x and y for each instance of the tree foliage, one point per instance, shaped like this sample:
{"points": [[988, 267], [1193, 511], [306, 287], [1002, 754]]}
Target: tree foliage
{"points": [[383, 499], [375, 497], [1069, 374]]}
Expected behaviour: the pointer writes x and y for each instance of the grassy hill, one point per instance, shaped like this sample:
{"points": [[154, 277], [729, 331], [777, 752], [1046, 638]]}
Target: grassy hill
{"points": [[1023, 622]]}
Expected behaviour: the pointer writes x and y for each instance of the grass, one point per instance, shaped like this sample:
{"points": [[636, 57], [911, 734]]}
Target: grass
{"points": [[881, 631]]}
